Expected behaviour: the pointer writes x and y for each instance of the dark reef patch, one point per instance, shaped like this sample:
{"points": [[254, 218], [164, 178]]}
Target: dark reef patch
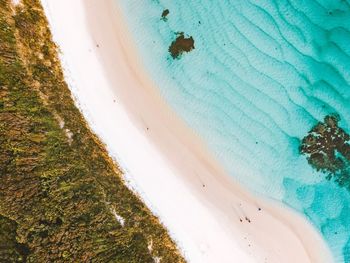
{"points": [[327, 148], [181, 44], [165, 14]]}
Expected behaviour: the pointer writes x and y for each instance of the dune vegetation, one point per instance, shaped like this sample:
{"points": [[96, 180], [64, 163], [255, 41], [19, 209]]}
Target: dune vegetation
{"points": [[62, 198]]}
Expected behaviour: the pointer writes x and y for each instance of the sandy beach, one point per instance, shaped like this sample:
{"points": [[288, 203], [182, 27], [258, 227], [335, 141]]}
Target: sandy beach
{"points": [[209, 215]]}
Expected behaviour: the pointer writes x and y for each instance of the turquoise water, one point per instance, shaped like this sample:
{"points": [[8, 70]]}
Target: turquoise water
{"points": [[262, 74]]}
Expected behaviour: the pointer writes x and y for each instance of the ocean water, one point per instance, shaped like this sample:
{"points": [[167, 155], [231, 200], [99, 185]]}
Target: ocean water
{"points": [[262, 74]]}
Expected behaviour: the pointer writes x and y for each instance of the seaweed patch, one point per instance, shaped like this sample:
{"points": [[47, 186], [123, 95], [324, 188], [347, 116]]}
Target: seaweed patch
{"points": [[180, 45], [327, 148], [165, 14]]}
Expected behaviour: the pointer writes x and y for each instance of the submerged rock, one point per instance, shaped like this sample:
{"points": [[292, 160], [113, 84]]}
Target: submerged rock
{"points": [[181, 44], [165, 14], [327, 147]]}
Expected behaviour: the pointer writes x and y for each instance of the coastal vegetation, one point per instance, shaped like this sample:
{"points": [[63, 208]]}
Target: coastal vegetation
{"points": [[62, 198]]}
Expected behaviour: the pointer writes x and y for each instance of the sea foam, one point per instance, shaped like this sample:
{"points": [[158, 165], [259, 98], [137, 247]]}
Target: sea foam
{"points": [[262, 74]]}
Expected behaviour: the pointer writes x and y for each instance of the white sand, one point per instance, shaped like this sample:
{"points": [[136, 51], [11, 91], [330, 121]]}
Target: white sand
{"points": [[16, 2], [162, 159]]}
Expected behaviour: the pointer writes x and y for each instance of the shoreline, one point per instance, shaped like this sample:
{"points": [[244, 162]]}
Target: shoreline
{"points": [[163, 160]]}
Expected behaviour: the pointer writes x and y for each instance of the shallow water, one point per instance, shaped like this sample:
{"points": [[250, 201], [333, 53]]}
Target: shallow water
{"points": [[262, 74]]}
